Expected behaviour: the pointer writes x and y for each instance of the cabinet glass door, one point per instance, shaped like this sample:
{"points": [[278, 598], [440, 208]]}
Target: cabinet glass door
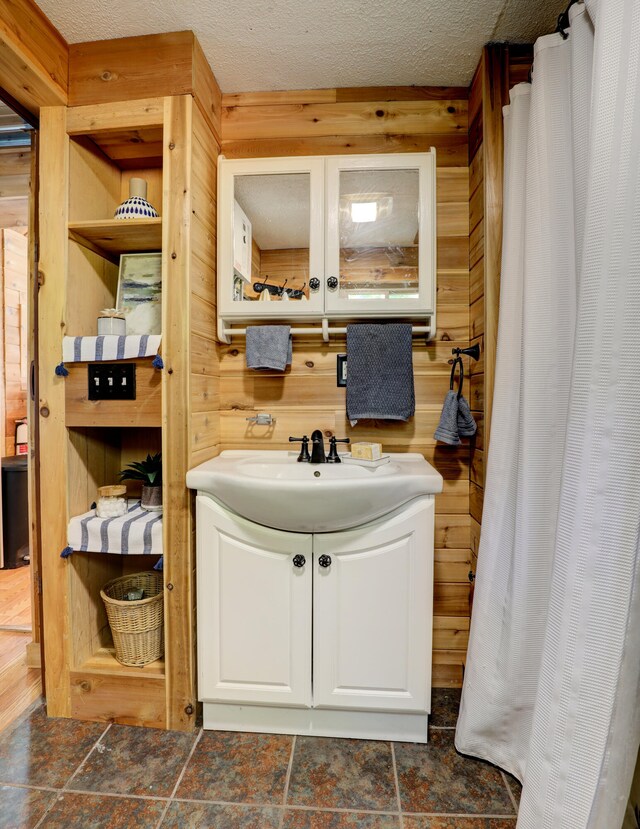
{"points": [[380, 252], [271, 245]]}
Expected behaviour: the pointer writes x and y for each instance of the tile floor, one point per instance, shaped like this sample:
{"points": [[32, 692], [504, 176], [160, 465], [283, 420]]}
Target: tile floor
{"points": [[64, 773]]}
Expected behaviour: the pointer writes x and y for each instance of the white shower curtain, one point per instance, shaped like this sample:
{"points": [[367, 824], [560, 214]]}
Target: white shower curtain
{"points": [[552, 680]]}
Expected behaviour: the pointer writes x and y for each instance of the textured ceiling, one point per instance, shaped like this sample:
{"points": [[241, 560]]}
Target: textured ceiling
{"points": [[305, 44]]}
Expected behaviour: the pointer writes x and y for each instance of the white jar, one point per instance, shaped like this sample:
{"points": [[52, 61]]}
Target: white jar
{"points": [[112, 501], [112, 325]]}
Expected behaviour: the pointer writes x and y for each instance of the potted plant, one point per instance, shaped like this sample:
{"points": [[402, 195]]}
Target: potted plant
{"points": [[149, 472]]}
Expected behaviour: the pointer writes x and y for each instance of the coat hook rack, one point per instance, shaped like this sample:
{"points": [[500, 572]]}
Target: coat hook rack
{"points": [[473, 351], [277, 290]]}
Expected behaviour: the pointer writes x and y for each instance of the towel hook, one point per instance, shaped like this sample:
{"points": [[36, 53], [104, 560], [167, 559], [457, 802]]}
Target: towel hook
{"points": [[473, 351], [457, 362]]}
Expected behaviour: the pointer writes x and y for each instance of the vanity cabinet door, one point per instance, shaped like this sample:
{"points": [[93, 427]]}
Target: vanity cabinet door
{"points": [[271, 238], [373, 609], [380, 240], [254, 610]]}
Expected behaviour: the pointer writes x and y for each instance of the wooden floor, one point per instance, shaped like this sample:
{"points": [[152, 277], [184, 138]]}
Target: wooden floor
{"points": [[19, 684], [15, 597]]}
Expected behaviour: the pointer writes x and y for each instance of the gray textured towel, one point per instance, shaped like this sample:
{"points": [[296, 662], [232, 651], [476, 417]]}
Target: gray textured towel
{"points": [[269, 347], [447, 431], [467, 426], [380, 372]]}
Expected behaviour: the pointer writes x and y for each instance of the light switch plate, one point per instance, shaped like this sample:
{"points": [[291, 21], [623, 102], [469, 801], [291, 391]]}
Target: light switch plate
{"points": [[112, 381], [341, 367]]}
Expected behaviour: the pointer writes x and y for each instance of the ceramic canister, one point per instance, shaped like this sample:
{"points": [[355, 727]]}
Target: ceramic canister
{"points": [[136, 206]]}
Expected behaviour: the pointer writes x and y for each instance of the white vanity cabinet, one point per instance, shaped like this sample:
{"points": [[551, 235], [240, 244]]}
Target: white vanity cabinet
{"points": [[332, 237], [254, 610], [326, 633]]}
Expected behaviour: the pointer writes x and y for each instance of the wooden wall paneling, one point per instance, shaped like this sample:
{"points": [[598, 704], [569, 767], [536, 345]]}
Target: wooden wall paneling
{"points": [[369, 118], [176, 265], [145, 410], [305, 396], [33, 56], [15, 267], [54, 160], [452, 149], [206, 91], [15, 174]]}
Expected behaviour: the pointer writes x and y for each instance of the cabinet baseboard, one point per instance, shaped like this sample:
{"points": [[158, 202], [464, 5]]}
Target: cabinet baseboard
{"points": [[366, 725]]}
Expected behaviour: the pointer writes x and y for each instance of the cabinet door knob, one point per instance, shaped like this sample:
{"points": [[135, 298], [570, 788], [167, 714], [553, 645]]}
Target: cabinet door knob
{"points": [[332, 283], [324, 561], [299, 561], [314, 283]]}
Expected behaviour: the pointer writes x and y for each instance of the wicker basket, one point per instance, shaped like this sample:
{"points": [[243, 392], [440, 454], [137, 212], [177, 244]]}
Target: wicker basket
{"points": [[137, 626]]}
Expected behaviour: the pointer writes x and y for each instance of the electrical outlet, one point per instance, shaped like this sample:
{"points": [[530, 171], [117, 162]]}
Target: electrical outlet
{"points": [[341, 367], [112, 381]]}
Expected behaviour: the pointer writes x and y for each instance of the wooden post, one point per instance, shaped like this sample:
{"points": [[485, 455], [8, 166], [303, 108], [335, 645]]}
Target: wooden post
{"points": [[179, 563], [54, 174]]}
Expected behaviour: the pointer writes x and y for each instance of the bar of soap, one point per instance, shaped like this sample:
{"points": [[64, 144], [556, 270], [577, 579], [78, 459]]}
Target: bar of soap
{"points": [[366, 451]]}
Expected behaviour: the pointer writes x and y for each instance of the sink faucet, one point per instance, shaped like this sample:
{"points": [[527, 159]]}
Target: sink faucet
{"points": [[317, 450]]}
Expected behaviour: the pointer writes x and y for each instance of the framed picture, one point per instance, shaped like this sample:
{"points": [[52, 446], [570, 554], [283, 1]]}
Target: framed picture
{"points": [[140, 292]]}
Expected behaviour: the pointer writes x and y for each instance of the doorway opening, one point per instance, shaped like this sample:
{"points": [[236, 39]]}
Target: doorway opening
{"points": [[20, 681]]}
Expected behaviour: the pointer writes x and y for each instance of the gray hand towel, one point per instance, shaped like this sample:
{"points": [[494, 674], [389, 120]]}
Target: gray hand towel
{"points": [[447, 431], [467, 426], [269, 347], [380, 372]]}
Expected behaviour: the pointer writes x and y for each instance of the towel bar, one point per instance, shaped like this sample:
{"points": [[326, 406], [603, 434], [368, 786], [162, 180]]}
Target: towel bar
{"points": [[225, 333]]}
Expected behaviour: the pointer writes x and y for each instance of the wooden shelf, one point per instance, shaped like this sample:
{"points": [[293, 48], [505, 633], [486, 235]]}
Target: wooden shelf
{"points": [[112, 237], [105, 662]]}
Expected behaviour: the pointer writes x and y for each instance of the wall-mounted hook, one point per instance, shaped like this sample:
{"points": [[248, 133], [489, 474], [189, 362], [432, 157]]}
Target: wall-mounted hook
{"points": [[473, 351]]}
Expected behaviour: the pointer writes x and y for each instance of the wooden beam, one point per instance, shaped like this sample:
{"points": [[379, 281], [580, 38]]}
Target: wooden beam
{"points": [[495, 94], [147, 66], [179, 565], [128, 68], [54, 175], [34, 56]]}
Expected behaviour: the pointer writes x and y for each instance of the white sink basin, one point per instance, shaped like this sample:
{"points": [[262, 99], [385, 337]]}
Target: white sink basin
{"points": [[272, 489]]}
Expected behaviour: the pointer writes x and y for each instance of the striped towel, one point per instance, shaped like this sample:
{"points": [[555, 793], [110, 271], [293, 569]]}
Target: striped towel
{"points": [[109, 347], [137, 532]]}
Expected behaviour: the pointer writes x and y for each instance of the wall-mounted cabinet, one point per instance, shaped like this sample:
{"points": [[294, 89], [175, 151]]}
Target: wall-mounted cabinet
{"points": [[333, 237]]}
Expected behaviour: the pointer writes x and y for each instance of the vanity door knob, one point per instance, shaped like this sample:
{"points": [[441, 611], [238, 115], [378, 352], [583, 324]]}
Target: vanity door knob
{"points": [[324, 561], [332, 283], [314, 283], [299, 561]]}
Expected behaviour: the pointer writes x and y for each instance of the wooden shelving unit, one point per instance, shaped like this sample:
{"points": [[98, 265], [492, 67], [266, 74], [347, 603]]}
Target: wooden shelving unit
{"points": [[112, 237], [85, 443]]}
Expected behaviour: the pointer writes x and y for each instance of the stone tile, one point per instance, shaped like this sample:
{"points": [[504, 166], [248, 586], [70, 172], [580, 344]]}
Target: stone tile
{"points": [[445, 704], [344, 774], [22, 808], [515, 786], [237, 767], [42, 751], [140, 761], [458, 822], [435, 778], [102, 812], [303, 819], [183, 815]]}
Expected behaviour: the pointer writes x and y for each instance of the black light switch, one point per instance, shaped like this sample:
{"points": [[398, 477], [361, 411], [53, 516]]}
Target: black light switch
{"points": [[112, 381]]}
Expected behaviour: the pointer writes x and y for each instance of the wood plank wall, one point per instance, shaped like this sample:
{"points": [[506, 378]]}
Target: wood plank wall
{"points": [[336, 121], [15, 173], [14, 341], [501, 67]]}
